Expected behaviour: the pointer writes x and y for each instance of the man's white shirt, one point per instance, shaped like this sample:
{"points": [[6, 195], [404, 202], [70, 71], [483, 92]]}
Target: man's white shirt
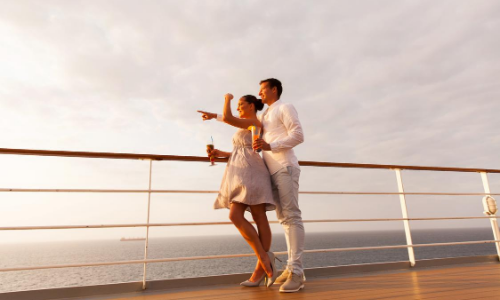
{"points": [[282, 131]]}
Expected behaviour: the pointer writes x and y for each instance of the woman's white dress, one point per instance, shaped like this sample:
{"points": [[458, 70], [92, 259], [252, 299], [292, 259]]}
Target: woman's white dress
{"points": [[246, 178]]}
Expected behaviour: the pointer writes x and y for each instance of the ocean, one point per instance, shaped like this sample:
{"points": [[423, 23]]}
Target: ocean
{"points": [[101, 251]]}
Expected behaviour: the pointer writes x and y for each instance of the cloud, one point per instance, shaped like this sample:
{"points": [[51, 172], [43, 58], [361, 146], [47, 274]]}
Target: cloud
{"points": [[374, 70], [390, 82]]}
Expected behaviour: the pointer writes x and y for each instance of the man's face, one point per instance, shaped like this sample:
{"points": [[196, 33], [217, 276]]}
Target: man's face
{"points": [[266, 94]]}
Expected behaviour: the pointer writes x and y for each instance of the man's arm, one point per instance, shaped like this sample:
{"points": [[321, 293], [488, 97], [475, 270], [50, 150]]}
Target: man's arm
{"points": [[295, 134]]}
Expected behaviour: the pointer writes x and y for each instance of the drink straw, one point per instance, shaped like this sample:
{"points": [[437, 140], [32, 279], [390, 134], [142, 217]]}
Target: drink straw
{"points": [[212, 140]]}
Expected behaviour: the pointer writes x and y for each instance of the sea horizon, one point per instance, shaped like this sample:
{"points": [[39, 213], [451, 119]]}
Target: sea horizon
{"points": [[237, 235]]}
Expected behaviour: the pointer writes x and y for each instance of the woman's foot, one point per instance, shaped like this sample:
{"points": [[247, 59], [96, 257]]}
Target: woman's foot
{"points": [[274, 274], [257, 274], [252, 282]]}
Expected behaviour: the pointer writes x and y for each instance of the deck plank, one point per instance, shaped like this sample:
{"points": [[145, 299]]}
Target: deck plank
{"points": [[451, 282]]}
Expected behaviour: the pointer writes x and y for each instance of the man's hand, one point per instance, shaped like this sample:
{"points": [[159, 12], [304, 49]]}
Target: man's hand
{"points": [[207, 115], [228, 96], [261, 144]]}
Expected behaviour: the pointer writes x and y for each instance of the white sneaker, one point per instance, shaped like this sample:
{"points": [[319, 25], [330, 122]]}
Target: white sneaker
{"points": [[283, 277], [293, 284]]}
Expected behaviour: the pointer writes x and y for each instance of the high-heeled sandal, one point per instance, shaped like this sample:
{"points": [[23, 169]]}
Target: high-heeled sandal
{"points": [[249, 283], [271, 280]]}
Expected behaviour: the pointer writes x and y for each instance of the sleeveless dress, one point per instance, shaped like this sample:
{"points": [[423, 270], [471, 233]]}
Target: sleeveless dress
{"points": [[246, 178]]}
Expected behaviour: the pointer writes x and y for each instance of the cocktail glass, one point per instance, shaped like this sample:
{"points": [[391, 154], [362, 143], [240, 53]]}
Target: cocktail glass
{"points": [[210, 147], [255, 135]]}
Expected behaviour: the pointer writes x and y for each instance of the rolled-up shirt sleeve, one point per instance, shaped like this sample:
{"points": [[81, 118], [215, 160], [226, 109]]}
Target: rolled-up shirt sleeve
{"points": [[295, 134]]}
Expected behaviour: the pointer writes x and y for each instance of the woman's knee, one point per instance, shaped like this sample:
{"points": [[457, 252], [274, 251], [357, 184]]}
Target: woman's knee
{"points": [[235, 218], [236, 215], [259, 215]]}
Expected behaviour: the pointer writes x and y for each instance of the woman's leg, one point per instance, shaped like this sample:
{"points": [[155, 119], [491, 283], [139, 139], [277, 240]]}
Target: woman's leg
{"points": [[260, 218], [237, 216], [263, 228]]}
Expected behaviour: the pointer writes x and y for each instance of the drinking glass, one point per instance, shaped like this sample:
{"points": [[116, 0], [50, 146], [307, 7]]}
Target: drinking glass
{"points": [[210, 146], [255, 135]]}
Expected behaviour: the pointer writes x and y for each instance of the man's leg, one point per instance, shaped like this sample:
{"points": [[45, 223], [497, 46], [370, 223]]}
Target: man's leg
{"points": [[286, 184]]}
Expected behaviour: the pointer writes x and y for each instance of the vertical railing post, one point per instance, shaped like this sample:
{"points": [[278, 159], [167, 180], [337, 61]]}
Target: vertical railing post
{"points": [[493, 221], [404, 210], [147, 226]]}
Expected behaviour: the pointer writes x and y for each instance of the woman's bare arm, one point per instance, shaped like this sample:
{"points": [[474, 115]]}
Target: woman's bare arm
{"points": [[227, 116], [218, 153]]}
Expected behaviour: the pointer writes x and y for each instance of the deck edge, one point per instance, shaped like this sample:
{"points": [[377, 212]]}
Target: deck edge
{"points": [[156, 285]]}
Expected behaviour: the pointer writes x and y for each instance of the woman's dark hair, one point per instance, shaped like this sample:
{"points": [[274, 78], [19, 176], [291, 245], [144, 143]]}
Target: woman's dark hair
{"points": [[251, 99]]}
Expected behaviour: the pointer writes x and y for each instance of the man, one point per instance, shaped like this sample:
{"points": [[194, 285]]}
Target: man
{"points": [[282, 132]]}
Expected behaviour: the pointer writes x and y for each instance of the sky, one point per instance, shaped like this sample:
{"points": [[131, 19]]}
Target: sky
{"points": [[382, 82]]}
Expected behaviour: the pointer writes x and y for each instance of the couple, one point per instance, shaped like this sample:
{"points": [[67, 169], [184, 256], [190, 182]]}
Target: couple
{"points": [[257, 185]]}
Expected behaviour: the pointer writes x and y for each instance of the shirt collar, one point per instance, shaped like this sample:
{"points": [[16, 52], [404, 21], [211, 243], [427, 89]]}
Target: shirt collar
{"points": [[275, 104]]}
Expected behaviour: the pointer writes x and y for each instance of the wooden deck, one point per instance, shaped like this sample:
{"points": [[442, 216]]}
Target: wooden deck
{"points": [[475, 281]]}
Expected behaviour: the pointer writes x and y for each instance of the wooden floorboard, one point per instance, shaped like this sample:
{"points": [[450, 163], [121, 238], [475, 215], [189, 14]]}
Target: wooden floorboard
{"points": [[479, 281]]}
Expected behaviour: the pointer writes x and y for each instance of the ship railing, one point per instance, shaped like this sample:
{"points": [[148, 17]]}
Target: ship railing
{"points": [[152, 157]]}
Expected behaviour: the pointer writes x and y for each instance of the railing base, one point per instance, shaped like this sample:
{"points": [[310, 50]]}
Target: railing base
{"points": [[196, 283]]}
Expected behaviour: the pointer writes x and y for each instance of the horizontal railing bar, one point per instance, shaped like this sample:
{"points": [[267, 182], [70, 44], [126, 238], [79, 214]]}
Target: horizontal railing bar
{"points": [[215, 192], [398, 219], [117, 226], [401, 167], [401, 246], [205, 159], [129, 262], [397, 193], [108, 155], [106, 191], [160, 260], [229, 223]]}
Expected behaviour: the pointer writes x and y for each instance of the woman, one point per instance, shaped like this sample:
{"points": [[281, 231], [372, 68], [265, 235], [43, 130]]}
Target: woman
{"points": [[246, 185]]}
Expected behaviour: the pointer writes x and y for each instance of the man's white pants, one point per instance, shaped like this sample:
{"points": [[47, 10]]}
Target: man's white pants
{"points": [[286, 189]]}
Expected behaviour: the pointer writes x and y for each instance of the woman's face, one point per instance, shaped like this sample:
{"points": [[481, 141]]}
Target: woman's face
{"points": [[245, 109]]}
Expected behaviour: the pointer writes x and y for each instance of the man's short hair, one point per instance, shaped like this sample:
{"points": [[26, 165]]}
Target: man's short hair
{"points": [[273, 82]]}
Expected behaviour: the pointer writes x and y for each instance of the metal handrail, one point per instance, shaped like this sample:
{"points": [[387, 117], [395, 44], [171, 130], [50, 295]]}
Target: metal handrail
{"points": [[21, 190], [95, 226], [159, 157], [161, 260]]}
